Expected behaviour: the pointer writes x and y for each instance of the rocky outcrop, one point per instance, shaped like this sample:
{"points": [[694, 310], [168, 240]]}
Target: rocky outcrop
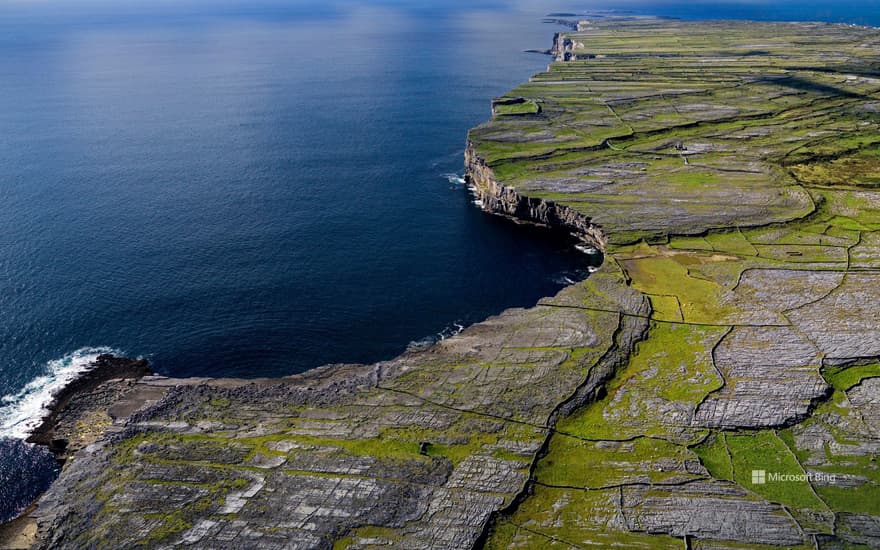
{"points": [[81, 411], [416, 452], [774, 380], [713, 385], [497, 198], [742, 418], [563, 48], [558, 20]]}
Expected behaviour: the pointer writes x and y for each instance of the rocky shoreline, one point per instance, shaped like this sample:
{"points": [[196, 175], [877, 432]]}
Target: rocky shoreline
{"points": [[80, 413], [115, 390], [731, 330], [82, 410], [496, 198]]}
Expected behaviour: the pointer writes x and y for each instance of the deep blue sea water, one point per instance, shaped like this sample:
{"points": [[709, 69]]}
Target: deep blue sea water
{"points": [[236, 188]]}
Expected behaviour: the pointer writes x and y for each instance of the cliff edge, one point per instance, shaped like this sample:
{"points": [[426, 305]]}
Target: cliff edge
{"points": [[713, 385]]}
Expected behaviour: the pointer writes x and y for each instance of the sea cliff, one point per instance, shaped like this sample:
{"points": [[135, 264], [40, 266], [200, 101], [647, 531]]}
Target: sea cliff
{"points": [[499, 199], [730, 340]]}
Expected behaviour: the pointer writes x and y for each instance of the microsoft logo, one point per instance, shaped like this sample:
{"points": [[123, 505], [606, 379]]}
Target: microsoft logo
{"points": [[761, 477]]}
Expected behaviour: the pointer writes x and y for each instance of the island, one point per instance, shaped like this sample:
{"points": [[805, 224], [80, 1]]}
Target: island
{"points": [[715, 384]]}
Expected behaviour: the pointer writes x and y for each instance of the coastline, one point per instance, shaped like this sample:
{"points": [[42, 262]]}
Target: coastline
{"points": [[81, 410], [80, 413], [529, 375], [151, 394], [496, 198], [99, 402]]}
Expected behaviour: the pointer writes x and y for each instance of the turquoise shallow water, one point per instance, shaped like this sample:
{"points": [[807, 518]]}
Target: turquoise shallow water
{"points": [[254, 189]]}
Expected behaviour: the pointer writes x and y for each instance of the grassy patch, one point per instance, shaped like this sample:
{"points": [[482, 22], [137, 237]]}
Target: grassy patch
{"points": [[595, 465], [525, 107], [715, 457], [559, 518], [694, 179], [843, 378], [671, 372], [764, 451], [166, 527], [702, 301], [861, 167], [863, 499], [369, 534]]}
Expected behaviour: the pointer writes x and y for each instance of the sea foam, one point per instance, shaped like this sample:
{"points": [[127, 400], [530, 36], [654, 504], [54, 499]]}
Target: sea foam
{"points": [[454, 178], [428, 341], [587, 249], [21, 412]]}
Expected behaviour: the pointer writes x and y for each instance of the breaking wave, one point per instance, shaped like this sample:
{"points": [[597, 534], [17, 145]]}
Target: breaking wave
{"points": [[454, 178], [571, 276], [428, 341], [587, 249], [21, 412]]}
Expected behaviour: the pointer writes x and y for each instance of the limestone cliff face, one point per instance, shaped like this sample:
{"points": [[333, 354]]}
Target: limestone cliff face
{"points": [[506, 434], [563, 47], [767, 327], [498, 198]]}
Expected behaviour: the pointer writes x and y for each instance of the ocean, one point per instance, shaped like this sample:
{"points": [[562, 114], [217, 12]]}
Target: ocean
{"points": [[253, 189]]}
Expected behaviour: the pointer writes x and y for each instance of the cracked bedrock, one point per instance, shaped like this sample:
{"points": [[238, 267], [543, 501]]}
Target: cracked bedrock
{"points": [[729, 172]]}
